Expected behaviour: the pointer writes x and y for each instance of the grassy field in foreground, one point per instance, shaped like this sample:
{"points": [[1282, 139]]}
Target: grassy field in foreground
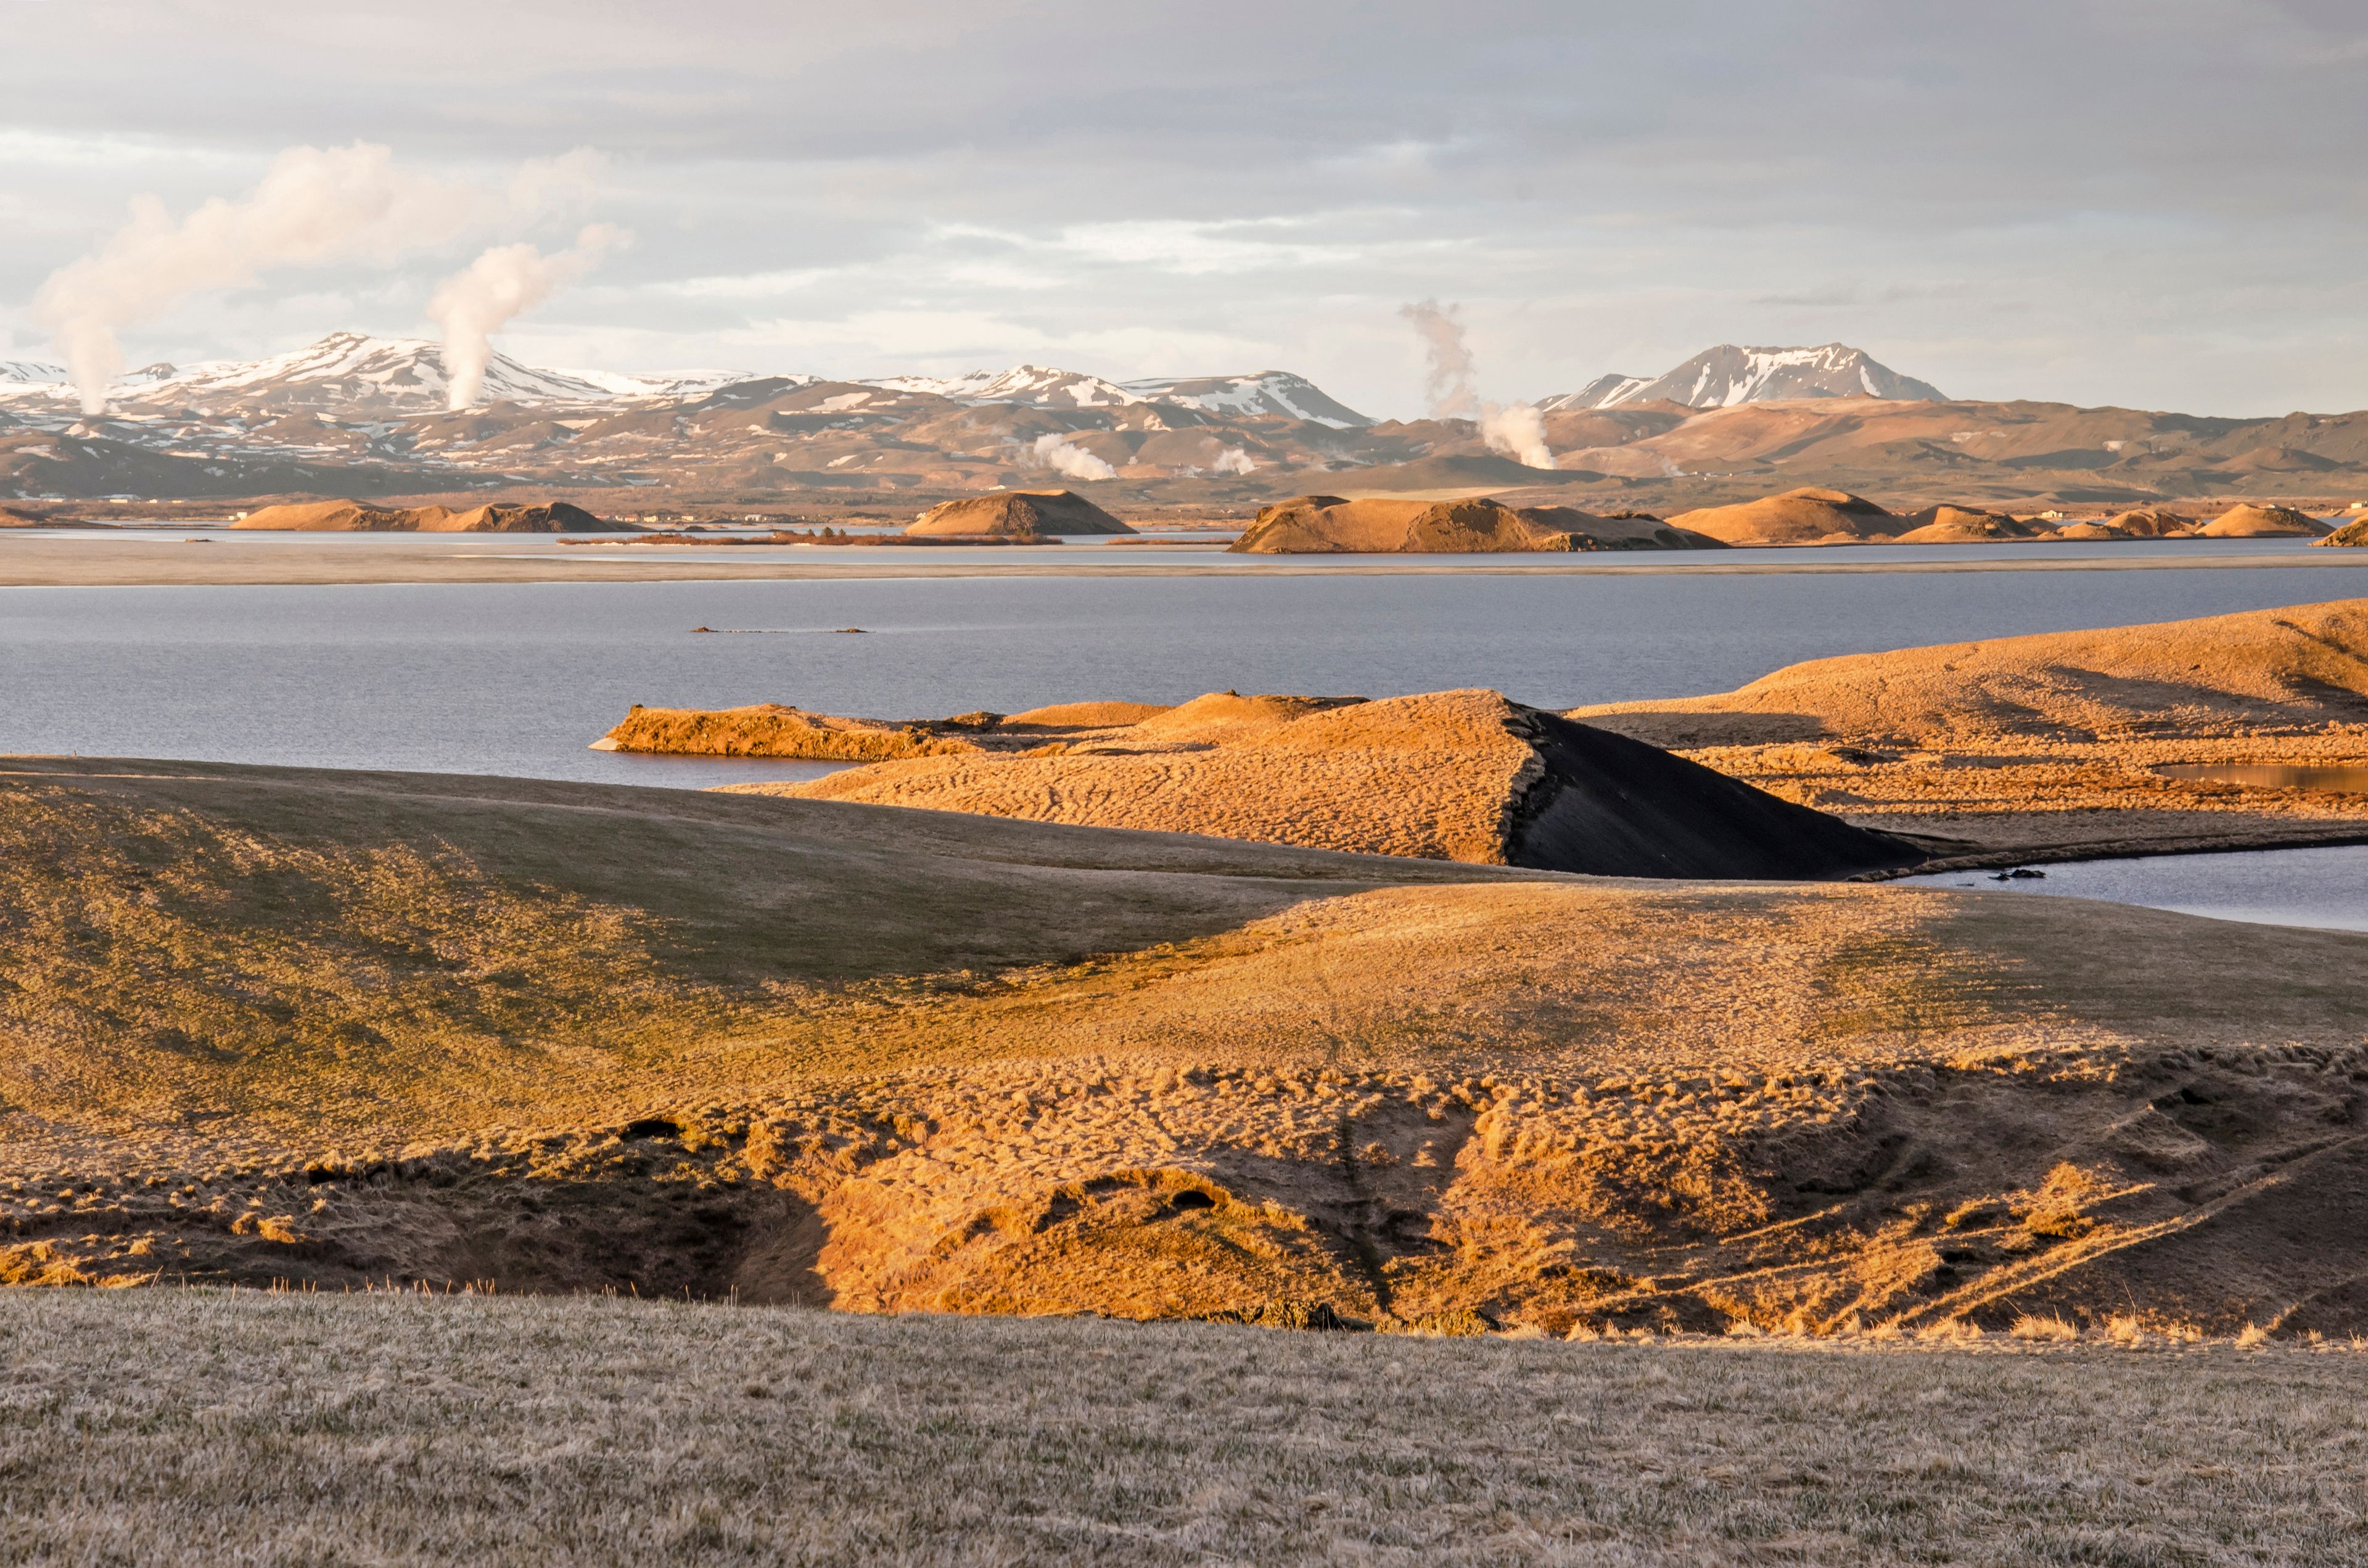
{"points": [[265, 1024], [197, 1426]]}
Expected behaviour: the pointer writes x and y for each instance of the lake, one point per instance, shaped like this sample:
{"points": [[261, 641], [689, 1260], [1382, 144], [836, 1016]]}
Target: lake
{"points": [[519, 678]]}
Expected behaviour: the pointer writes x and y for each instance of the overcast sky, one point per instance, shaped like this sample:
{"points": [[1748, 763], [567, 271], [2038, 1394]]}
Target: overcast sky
{"points": [[2144, 203]]}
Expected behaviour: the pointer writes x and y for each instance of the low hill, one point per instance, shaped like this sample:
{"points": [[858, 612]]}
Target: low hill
{"points": [[1456, 775], [1808, 516], [2350, 535], [1018, 514], [321, 1028], [1961, 525], [2058, 740], [2152, 522], [1329, 525], [2263, 522], [354, 516]]}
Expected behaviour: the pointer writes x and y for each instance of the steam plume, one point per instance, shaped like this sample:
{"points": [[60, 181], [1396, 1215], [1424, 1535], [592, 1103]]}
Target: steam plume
{"points": [[1234, 460], [1516, 429], [1448, 377], [314, 205], [480, 300], [1070, 462]]}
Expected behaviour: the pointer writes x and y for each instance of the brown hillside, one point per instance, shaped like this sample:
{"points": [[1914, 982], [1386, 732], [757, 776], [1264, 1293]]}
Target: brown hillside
{"points": [[1387, 525], [1017, 512], [344, 517], [1456, 776], [544, 517], [2055, 739], [2152, 523], [2352, 535], [1797, 517], [272, 1025]]}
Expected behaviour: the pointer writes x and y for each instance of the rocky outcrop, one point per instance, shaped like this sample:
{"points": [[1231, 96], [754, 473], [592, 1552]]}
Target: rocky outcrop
{"points": [[1321, 525]]}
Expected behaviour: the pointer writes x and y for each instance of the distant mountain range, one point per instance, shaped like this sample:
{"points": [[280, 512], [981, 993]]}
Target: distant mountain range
{"points": [[350, 372], [1726, 375], [364, 416]]}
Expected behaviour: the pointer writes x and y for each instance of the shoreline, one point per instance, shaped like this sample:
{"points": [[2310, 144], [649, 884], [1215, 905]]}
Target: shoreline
{"points": [[229, 561], [2243, 842]]}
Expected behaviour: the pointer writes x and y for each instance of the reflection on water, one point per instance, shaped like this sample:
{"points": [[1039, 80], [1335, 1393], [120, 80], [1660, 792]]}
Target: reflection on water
{"points": [[2273, 775], [2327, 888]]}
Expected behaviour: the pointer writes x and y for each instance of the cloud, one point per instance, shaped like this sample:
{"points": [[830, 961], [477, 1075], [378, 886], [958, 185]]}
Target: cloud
{"points": [[1614, 199]]}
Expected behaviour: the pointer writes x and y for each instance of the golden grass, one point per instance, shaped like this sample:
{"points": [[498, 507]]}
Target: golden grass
{"points": [[263, 1023], [2053, 742], [263, 1429]]}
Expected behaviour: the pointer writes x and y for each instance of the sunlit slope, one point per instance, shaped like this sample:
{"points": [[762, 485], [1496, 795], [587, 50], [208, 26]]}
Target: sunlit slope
{"points": [[265, 1024], [2058, 740]]}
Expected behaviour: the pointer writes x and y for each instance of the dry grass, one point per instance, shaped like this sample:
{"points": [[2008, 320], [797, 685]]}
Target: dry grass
{"points": [[2053, 741], [261, 1430], [258, 1023]]}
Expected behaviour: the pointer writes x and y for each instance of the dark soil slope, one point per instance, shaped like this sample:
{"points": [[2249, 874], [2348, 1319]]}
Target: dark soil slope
{"points": [[1610, 806]]}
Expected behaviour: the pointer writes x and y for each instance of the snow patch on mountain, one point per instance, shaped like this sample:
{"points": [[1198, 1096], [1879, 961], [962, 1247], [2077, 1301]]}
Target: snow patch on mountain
{"points": [[1267, 392], [1039, 386], [660, 383], [1600, 392]]}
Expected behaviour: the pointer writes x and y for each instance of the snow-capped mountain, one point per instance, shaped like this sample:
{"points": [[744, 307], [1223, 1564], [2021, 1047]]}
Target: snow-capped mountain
{"points": [[1726, 375], [1274, 392], [1037, 385], [350, 372]]}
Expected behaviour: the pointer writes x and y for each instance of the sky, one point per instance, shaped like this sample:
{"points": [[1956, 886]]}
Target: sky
{"points": [[2155, 204]]}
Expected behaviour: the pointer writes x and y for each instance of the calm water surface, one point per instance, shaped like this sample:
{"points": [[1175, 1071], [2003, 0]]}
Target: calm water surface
{"points": [[2325, 888], [519, 678]]}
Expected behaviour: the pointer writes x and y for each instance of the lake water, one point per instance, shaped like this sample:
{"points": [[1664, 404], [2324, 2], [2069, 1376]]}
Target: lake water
{"points": [[2327, 888], [519, 678]]}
